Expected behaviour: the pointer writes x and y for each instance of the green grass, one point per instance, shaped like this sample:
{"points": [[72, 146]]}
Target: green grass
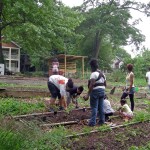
{"points": [[11, 106], [8, 85], [17, 136]]}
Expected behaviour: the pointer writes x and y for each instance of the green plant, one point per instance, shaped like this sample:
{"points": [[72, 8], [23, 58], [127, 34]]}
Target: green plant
{"points": [[11, 140], [104, 128], [141, 116], [11, 106]]}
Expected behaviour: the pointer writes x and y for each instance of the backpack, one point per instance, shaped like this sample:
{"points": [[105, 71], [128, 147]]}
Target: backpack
{"points": [[98, 84]]}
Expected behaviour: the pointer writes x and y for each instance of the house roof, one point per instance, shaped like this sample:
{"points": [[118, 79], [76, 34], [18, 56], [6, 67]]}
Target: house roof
{"points": [[10, 44]]}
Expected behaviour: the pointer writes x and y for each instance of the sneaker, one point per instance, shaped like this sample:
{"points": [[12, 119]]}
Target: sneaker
{"points": [[91, 125], [77, 107], [51, 110], [61, 108]]}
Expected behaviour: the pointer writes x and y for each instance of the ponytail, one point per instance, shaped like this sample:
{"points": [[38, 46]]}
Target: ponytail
{"points": [[70, 83]]}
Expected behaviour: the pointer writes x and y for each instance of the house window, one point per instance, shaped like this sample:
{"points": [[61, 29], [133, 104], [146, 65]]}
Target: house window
{"points": [[6, 53], [14, 53], [7, 64]]}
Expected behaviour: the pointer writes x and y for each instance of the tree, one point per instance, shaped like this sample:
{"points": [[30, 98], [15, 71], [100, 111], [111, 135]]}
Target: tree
{"points": [[37, 26], [110, 20]]}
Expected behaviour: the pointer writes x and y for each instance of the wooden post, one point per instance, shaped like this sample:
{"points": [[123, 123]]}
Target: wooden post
{"points": [[83, 67], [65, 61]]}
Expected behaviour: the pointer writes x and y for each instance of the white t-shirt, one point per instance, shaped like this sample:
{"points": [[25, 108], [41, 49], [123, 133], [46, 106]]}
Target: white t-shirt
{"points": [[107, 107], [60, 82], [148, 76], [94, 75], [125, 108]]}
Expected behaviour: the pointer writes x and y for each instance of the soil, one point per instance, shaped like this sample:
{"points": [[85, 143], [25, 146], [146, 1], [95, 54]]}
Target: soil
{"points": [[116, 139], [75, 115]]}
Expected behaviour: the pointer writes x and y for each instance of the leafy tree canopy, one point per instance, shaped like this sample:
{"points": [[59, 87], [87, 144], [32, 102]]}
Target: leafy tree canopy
{"points": [[39, 27], [111, 20]]}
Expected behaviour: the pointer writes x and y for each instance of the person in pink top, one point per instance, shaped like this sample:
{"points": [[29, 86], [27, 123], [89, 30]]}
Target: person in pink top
{"points": [[55, 65]]}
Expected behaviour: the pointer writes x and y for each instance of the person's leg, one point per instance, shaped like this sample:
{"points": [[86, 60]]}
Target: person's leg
{"points": [[77, 105], [124, 95], [62, 99], [94, 106], [101, 111], [131, 96], [53, 90], [106, 117], [149, 89], [68, 98]]}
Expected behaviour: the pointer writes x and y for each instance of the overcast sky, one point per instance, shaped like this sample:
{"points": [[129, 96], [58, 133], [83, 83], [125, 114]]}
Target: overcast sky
{"points": [[143, 26]]}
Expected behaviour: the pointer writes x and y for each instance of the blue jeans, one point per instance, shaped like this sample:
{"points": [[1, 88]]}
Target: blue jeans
{"points": [[96, 104]]}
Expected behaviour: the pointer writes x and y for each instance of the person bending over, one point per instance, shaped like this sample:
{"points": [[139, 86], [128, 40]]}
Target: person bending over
{"points": [[73, 95], [58, 86]]}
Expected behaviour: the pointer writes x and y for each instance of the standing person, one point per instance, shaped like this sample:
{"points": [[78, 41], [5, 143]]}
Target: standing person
{"points": [[148, 78], [96, 92], [129, 88], [58, 86], [73, 95], [55, 65]]}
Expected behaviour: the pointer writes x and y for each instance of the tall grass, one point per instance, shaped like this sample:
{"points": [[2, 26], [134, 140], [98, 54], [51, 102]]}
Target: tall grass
{"points": [[18, 136]]}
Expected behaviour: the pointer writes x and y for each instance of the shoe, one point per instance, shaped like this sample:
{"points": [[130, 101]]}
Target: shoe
{"points": [[55, 112], [100, 124], [51, 110], [90, 124], [77, 107], [61, 108], [109, 120]]}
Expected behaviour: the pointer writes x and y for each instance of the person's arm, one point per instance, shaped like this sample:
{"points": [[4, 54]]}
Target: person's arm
{"points": [[105, 81], [63, 93], [146, 78], [92, 82]]}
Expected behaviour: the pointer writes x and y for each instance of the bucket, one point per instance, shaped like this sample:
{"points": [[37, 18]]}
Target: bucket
{"points": [[136, 89]]}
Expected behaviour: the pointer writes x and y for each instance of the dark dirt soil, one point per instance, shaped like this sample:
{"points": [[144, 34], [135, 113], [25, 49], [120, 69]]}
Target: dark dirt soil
{"points": [[116, 139], [75, 115]]}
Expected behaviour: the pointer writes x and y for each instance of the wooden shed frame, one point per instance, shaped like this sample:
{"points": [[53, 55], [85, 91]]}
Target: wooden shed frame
{"points": [[67, 60]]}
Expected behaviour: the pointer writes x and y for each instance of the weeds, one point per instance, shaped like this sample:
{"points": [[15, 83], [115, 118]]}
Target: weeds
{"points": [[11, 106]]}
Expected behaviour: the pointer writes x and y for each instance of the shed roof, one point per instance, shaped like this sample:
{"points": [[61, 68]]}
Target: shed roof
{"points": [[61, 57]]}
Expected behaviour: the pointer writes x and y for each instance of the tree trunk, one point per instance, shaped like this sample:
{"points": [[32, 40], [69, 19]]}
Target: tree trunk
{"points": [[97, 44], [1, 53]]}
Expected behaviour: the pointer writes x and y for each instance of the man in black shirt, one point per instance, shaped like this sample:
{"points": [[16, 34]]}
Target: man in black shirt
{"points": [[73, 95]]}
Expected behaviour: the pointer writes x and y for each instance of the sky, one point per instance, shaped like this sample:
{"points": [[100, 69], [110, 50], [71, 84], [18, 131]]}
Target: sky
{"points": [[143, 26]]}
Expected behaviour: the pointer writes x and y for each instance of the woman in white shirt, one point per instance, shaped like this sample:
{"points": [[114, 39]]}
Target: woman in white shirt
{"points": [[129, 89]]}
